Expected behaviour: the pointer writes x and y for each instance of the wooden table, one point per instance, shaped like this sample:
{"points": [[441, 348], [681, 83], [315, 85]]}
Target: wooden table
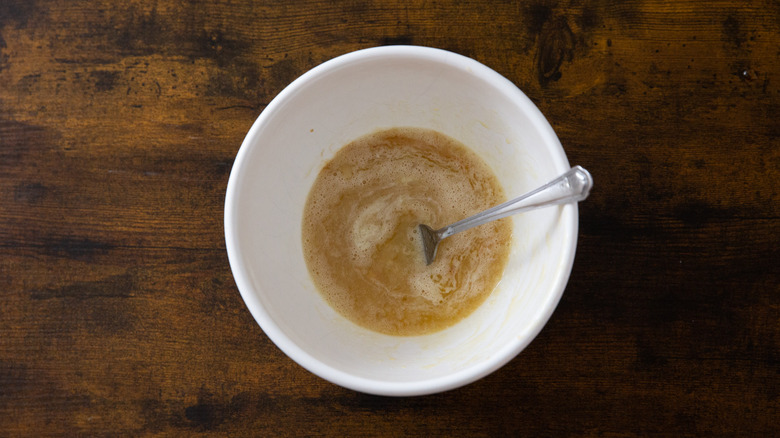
{"points": [[119, 123]]}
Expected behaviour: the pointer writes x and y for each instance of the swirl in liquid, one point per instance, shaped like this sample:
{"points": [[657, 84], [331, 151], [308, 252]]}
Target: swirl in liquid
{"points": [[362, 245]]}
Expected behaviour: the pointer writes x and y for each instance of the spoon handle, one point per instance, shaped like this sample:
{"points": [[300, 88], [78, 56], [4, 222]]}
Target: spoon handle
{"points": [[572, 186]]}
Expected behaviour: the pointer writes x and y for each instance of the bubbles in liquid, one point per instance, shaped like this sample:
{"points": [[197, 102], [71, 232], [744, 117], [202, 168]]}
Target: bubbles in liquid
{"points": [[360, 236]]}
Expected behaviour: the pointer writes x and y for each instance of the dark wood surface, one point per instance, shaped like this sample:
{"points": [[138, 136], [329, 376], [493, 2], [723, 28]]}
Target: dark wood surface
{"points": [[119, 123]]}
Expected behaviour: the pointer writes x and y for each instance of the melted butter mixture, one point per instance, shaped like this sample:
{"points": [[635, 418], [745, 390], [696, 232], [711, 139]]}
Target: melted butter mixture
{"points": [[362, 245]]}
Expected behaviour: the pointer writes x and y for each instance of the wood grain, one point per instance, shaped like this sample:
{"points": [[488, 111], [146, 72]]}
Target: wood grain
{"points": [[119, 123]]}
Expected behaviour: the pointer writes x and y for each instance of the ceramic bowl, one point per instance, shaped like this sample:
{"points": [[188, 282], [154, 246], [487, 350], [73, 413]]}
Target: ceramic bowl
{"points": [[328, 107]]}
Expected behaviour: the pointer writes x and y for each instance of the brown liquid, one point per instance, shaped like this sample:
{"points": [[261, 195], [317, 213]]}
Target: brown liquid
{"points": [[362, 245]]}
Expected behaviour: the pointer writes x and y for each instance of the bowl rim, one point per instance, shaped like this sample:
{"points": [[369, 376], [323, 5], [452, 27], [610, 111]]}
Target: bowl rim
{"points": [[241, 276]]}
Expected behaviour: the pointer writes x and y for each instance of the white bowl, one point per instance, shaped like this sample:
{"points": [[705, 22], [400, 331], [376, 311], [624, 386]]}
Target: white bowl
{"points": [[323, 110]]}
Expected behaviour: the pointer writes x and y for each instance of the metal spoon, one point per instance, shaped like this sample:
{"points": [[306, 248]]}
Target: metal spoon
{"points": [[572, 186]]}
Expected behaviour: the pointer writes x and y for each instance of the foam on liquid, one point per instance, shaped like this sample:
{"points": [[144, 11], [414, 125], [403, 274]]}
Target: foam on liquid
{"points": [[362, 245]]}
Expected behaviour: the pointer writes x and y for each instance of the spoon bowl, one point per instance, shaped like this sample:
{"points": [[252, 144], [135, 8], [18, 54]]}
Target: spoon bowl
{"points": [[572, 186]]}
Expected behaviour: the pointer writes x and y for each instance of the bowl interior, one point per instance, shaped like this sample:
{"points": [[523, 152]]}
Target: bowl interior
{"points": [[324, 110]]}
